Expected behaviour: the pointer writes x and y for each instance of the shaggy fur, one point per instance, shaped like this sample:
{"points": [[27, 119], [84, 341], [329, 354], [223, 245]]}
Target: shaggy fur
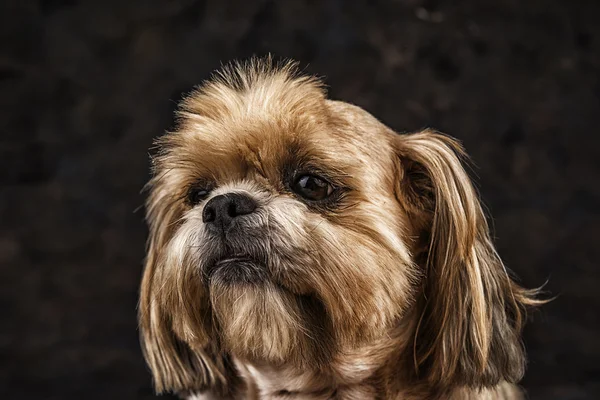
{"points": [[388, 289]]}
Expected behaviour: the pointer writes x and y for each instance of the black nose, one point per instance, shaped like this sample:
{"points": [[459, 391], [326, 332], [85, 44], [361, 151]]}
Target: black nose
{"points": [[221, 210]]}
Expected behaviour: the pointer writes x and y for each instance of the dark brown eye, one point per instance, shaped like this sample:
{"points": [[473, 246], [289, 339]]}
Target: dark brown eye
{"points": [[312, 187], [197, 194]]}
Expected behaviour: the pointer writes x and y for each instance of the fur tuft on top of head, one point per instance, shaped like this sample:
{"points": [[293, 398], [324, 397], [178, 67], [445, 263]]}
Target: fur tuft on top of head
{"points": [[259, 86]]}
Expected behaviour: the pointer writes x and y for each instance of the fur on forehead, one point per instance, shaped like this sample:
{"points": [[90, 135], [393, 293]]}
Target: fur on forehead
{"points": [[253, 93], [254, 115]]}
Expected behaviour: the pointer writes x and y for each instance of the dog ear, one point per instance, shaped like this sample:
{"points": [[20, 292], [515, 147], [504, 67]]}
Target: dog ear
{"points": [[178, 349], [471, 310]]}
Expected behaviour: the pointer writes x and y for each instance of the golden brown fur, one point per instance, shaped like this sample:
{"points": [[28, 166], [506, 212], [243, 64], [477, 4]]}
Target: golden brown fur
{"points": [[392, 290]]}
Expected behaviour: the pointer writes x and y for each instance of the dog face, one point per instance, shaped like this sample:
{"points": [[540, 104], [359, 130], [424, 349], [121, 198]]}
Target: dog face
{"points": [[286, 228]]}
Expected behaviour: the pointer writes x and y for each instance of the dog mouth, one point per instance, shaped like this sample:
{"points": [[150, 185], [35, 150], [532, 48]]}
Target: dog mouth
{"points": [[238, 269], [234, 259]]}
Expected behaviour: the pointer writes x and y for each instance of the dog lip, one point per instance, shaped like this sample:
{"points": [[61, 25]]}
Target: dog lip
{"points": [[237, 270], [234, 259]]}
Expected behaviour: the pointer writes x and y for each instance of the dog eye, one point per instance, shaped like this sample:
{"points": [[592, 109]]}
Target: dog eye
{"points": [[312, 187], [197, 194]]}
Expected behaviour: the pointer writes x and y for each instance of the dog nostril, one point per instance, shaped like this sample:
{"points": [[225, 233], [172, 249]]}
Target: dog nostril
{"points": [[232, 209], [209, 214], [241, 206]]}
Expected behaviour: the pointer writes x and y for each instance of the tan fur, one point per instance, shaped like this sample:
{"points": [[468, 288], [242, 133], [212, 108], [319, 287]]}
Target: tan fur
{"points": [[393, 292]]}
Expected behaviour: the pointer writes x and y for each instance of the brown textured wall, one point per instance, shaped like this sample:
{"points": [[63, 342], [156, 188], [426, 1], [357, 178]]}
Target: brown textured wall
{"points": [[86, 85]]}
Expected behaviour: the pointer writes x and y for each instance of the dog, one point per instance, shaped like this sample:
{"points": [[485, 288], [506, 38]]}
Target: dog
{"points": [[301, 249]]}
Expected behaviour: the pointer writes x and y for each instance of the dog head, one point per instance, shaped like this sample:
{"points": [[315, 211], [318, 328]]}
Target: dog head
{"points": [[286, 228]]}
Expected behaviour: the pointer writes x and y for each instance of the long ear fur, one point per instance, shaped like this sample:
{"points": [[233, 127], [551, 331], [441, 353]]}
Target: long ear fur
{"points": [[471, 310], [181, 359]]}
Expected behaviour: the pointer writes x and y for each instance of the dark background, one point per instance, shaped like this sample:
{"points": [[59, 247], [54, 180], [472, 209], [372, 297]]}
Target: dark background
{"points": [[86, 85]]}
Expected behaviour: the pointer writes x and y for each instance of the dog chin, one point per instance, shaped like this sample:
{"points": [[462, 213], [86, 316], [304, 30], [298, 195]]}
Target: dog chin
{"points": [[257, 319], [237, 271]]}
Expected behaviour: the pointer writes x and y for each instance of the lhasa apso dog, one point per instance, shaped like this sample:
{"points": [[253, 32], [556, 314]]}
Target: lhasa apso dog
{"points": [[300, 249]]}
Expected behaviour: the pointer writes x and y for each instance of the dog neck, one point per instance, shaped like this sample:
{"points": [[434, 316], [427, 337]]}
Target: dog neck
{"points": [[356, 373], [382, 368]]}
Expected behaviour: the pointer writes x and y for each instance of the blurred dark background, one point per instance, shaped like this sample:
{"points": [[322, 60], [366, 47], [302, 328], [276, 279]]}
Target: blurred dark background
{"points": [[86, 85]]}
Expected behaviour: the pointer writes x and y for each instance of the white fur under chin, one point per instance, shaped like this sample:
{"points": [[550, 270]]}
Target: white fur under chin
{"points": [[204, 396], [278, 383], [281, 383]]}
